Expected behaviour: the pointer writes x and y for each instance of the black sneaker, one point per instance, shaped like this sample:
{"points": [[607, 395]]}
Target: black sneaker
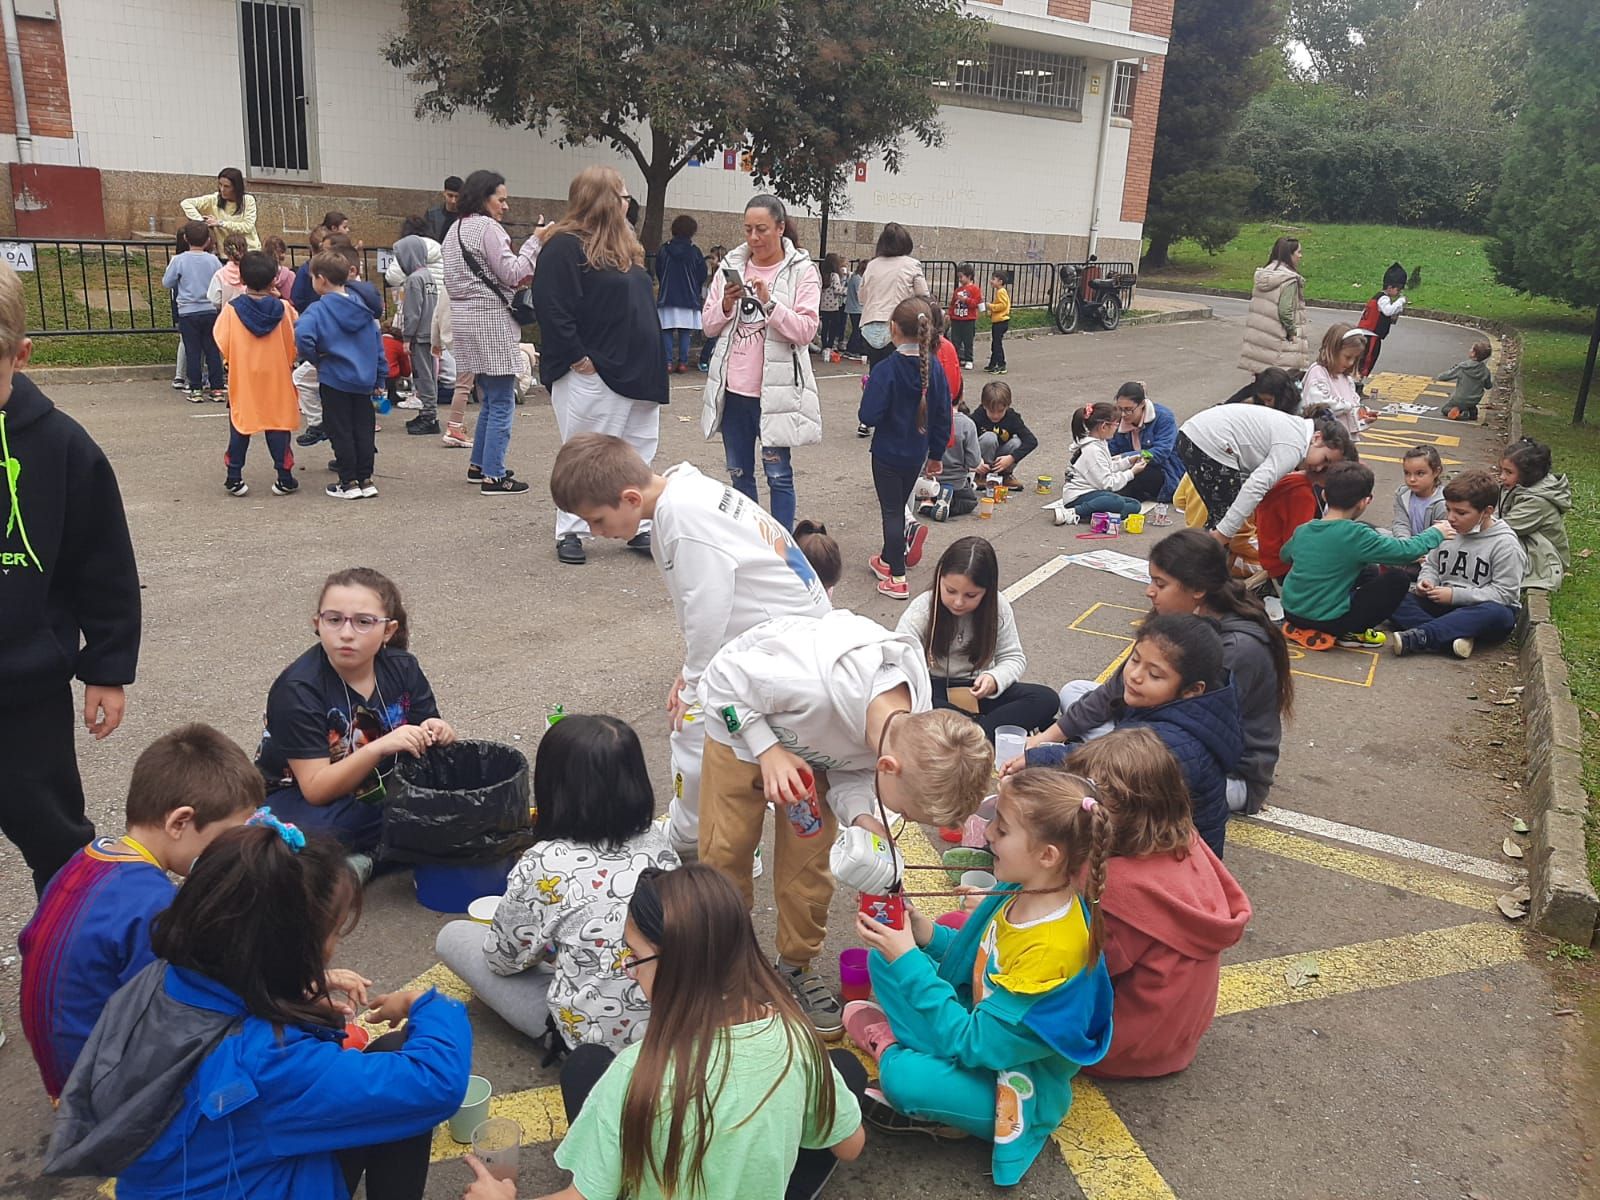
{"points": [[333, 464], [884, 1117], [505, 486], [312, 435], [476, 475], [640, 542], [863, 430], [421, 426], [236, 487], [341, 491], [287, 486], [569, 550], [817, 1001]]}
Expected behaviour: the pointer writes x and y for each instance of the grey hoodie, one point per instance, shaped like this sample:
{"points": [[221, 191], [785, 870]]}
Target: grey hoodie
{"points": [[420, 292], [1484, 567], [1472, 379], [1401, 526]]}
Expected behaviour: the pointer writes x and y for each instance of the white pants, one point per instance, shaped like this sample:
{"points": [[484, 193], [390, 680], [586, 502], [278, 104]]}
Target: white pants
{"points": [[584, 404], [305, 383], [683, 813]]}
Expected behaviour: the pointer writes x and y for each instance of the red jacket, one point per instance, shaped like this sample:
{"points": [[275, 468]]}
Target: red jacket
{"points": [[1290, 504], [952, 373], [964, 303], [1167, 923]]}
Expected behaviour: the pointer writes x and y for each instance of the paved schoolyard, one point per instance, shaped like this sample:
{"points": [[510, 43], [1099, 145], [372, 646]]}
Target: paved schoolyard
{"points": [[1425, 1061]]}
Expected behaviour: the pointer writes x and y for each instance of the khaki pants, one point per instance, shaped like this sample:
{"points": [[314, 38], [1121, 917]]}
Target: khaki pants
{"points": [[733, 809]]}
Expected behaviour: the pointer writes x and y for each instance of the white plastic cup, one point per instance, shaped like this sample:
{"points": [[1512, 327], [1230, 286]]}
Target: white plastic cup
{"points": [[1010, 741], [474, 1110], [978, 881], [482, 909]]}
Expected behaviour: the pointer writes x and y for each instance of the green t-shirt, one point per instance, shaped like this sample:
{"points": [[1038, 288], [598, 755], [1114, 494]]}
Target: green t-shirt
{"points": [[1325, 557], [755, 1144]]}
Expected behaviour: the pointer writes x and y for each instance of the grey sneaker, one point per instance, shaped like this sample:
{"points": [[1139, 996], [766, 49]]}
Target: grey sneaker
{"points": [[817, 1001]]}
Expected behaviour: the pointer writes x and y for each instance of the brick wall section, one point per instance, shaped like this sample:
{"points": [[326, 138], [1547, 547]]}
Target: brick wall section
{"points": [[1150, 16], [44, 78], [1070, 10], [1142, 140]]}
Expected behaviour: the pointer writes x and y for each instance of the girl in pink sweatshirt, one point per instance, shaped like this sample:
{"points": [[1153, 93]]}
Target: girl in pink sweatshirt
{"points": [[1170, 907]]}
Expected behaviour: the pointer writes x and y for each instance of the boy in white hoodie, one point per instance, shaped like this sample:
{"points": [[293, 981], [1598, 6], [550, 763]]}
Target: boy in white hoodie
{"points": [[1471, 586], [837, 703]]}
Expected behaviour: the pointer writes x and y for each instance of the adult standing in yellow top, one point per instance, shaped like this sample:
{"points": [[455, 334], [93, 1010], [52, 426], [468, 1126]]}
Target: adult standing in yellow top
{"points": [[230, 209]]}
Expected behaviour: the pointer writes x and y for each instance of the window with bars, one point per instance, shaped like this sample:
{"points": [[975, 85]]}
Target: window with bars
{"points": [[275, 60], [1020, 76], [1123, 88]]}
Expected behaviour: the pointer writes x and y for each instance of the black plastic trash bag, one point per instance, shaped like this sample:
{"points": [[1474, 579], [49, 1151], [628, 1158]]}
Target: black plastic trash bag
{"points": [[465, 804]]}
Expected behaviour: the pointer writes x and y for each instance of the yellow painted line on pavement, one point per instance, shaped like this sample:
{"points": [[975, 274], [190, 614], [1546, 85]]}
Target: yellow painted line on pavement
{"points": [[1102, 1155], [1369, 966], [538, 1110], [1420, 881]]}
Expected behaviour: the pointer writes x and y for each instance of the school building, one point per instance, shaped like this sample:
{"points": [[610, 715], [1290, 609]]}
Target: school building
{"points": [[128, 107]]}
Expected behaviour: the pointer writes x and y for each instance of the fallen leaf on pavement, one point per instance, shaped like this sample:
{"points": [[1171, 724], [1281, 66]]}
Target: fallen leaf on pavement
{"points": [[1511, 908], [1565, 1012], [1302, 972], [1519, 826], [1510, 848]]}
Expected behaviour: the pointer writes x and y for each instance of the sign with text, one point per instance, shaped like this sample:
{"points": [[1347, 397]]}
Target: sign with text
{"points": [[18, 255]]}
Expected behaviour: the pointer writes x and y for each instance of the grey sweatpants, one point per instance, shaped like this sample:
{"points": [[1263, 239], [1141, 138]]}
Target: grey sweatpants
{"points": [[423, 379], [522, 1000]]}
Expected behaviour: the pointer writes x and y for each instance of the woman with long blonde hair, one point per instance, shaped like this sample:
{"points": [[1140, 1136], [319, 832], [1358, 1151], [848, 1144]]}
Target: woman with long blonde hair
{"points": [[601, 355]]}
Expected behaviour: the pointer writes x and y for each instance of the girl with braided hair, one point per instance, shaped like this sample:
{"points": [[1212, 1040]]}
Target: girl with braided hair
{"points": [[907, 405], [981, 1029]]}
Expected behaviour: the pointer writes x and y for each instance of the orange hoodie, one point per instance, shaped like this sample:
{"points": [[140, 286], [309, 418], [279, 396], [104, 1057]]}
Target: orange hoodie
{"points": [[1167, 923], [1290, 504]]}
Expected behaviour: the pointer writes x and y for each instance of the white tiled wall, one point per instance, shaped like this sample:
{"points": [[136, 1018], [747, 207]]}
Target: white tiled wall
{"points": [[156, 87]]}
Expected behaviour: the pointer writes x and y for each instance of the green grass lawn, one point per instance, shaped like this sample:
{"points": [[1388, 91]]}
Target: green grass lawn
{"points": [[1346, 262]]}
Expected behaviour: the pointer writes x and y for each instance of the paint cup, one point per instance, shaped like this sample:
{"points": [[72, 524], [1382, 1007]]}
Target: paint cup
{"points": [[1010, 741], [804, 814], [978, 881], [1044, 485], [497, 1143], [886, 910], [1134, 523], [1098, 522], [474, 1109], [1113, 525], [1162, 516], [855, 983], [482, 909], [986, 508], [1000, 491], [355, 1037]]}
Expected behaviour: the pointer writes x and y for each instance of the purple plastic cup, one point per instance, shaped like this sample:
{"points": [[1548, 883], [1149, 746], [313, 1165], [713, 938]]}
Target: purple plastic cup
{"points": [[855, 981]]}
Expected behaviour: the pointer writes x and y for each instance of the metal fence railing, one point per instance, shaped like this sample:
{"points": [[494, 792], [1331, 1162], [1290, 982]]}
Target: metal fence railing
{"points": [[1033, 284]]}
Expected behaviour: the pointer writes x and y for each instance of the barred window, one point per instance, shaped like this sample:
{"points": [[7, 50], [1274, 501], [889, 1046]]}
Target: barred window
{"points": [[1127, 80], [1020, 76]]}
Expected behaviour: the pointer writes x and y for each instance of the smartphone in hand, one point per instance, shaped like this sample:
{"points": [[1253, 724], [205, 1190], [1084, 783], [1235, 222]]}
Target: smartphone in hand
{"points": [[731, 276]]}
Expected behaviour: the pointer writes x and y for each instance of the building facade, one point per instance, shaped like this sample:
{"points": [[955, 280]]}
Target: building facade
{"points": [[1047, 149]]}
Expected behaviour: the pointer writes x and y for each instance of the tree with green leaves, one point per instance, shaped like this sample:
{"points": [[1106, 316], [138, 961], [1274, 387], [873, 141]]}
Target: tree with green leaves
{"points": [[802, 86], [1214, 66], [1546, 216], [1338, 38]]}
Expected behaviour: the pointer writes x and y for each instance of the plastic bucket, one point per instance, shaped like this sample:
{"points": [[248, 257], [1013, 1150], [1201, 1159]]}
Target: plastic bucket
{"points": [[451, 889]]}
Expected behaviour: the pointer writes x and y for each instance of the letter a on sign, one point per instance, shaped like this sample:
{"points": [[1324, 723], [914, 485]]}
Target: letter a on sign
{"points": [[861, 172]]}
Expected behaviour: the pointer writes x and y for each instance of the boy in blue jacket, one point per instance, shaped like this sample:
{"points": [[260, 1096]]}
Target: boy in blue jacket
{"points": [[188, 276], [339, 336]]}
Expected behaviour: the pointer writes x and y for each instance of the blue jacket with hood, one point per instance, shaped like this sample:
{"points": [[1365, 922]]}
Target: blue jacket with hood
{"points": [[340, 336], [1205, 736]]}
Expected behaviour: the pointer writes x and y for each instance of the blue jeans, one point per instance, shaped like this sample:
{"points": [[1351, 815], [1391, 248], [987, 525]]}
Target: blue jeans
{"points": [[1435, 626], [198, 344], [497, 405], [741, 430], [1090, 503], [683, 345], [354, 824]]}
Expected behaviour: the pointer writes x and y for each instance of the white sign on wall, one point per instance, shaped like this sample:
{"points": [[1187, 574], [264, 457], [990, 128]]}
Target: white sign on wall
{"points": [[385, 257], [18, 255]]}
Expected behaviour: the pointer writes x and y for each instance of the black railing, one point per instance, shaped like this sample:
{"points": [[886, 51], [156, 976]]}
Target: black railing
{"points": [[1033, 284]]}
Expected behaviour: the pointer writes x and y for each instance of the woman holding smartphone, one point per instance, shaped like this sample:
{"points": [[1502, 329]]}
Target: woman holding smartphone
{"points": [[763, 310]]}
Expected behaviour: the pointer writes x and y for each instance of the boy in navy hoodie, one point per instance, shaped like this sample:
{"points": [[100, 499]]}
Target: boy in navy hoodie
{"points": [[339, 336], [69, 604]]}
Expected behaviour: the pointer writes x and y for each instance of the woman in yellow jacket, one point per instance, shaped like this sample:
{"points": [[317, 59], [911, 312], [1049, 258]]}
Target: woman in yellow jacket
{"points": [[229, 210]]}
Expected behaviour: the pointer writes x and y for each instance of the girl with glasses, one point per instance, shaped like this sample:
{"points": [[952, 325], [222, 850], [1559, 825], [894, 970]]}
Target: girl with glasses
{"points": [[338, 715]]}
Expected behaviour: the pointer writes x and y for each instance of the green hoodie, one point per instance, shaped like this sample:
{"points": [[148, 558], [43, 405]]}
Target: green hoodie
{"points": [[1537, 511]]}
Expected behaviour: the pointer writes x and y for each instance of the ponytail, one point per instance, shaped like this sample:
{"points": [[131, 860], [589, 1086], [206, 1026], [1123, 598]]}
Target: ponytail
{"points": [[913, 317]]}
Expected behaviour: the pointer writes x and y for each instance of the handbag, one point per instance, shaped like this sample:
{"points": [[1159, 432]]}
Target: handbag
{"points": [[520, 305]]}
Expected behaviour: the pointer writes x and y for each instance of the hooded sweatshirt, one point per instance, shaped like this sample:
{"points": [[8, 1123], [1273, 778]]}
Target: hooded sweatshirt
{"points": [[340, 337], [889, 406], [1167, 922], [1413, 514], [1290, 504], [229, 1104], [1483, 567], [804, 683], [67, 571], [1473, 379], [1536, 513], [1247, 654], [1093, 469], [225, 285], [256, 337], [420, 289], [727, 564], [1205, 736], [432, 254]]}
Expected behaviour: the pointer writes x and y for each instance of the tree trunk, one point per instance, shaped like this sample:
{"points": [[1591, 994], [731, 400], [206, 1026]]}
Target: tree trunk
{"points": [[822, 238], [656, 178], [1588, 372], [1156, 256]]}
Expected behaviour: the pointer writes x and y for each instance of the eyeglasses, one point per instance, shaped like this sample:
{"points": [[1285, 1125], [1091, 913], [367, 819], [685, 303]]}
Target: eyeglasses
{"points": [[631, 962], [332, 621]]}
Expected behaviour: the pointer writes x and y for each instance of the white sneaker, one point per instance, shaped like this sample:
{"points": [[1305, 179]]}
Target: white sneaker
{"points": [[410, 402], [1461, 647]]}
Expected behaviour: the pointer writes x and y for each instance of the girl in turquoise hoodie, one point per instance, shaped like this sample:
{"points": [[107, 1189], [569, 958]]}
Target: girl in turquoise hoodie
{"points": [[981, 1029]]}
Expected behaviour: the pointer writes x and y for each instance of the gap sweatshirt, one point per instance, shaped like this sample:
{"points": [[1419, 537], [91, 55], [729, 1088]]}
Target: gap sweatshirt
{"points": [[1261, 443], [804, 683], [1485, 567]]}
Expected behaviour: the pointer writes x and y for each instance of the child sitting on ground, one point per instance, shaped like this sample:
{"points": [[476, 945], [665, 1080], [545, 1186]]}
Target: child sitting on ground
{"points": [[570, 889], [91, 931], [1535, 504], [1329, 592], [1419, 501], [1471, 586], [255, 335], [241, 1084], [982, 1029], [338, 715], [1473, 380], [1004, 438], [1170, 907], [1094, 476], [961, 459], [815, 715], [1329, 387], [969, 636], [226, 283]]}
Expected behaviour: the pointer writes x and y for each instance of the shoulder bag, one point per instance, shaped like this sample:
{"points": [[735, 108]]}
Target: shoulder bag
{"points": [[520, 305]]}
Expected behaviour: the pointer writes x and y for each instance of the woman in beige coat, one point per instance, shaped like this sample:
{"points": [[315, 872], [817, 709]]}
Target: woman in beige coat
{"points": [[1275, 327], [892, 276]]}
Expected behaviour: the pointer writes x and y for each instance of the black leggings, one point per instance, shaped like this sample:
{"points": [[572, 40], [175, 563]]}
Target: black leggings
{"points": [[894, 486], [812, 1168], [1030, 705], [1374, 598], [394, 1170]]}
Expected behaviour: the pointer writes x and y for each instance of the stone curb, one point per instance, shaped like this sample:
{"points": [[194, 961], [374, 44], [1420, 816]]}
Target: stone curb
{"points": [[47, 377]]}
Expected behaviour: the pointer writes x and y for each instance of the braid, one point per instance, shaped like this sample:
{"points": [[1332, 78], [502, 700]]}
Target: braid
{"points": [[924, 332], [1100, 839]]}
